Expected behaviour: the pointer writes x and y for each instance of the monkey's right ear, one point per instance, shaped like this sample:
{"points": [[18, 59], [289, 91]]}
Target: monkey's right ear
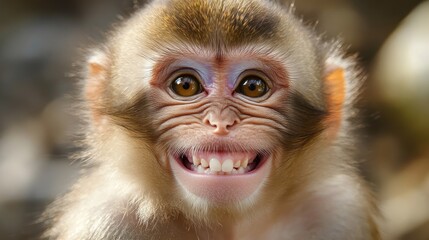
{"points": [[95, 83]]}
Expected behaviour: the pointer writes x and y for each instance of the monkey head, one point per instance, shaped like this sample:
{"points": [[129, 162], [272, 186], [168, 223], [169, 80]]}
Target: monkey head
{"points": [[218, 108]]}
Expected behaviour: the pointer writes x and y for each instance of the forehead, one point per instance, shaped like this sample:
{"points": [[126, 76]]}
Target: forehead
{"points": [[219, 23]]}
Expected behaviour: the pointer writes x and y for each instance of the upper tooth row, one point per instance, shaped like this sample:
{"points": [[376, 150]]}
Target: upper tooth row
{"points": [[216, 166]]}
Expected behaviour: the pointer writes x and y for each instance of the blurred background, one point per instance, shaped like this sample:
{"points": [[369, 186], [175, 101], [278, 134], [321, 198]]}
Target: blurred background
{"points": [[42, 41]]}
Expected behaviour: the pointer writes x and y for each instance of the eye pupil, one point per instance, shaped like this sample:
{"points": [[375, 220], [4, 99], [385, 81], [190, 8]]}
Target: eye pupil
{"points": [[252, 87], [186, 85]]}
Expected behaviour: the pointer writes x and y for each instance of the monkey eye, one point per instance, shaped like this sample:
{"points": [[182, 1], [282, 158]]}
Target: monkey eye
{"points": [[186, 85], [252, 86]]}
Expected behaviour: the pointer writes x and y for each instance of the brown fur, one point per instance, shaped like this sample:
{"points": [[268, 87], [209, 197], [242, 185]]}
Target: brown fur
{"points": [[128, 191]]}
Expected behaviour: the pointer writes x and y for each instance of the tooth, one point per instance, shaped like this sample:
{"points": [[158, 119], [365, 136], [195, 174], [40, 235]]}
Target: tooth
{"points": [[204, 163], [200, 169], [244, 163], [227, 165], [234, 171], [215, 165], [237, 164], [241, 170], [196, 161]]}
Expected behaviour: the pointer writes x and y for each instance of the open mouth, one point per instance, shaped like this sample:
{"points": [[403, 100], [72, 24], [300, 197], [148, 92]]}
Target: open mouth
{"points": [[221, 177], [221, 163]]}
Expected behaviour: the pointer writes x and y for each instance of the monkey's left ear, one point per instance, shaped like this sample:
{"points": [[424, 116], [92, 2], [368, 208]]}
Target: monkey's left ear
{"points": [[335, 82], [95, 83]]}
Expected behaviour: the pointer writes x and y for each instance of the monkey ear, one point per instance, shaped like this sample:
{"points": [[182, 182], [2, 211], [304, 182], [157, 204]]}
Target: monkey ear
{"points": [[335, 83], [95, 83]]}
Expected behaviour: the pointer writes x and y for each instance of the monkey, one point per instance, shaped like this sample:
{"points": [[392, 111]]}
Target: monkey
{"points": [[224, 119]]}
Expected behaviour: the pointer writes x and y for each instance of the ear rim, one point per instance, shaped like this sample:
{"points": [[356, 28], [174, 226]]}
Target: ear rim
{"points": [[335, 91], [95, 82]]}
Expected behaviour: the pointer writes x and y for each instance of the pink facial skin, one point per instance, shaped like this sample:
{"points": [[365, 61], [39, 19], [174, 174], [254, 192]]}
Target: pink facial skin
{"points": [[220, 123]]}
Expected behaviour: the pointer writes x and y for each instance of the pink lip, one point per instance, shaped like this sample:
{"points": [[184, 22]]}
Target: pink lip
{"points": [[221, 188]]}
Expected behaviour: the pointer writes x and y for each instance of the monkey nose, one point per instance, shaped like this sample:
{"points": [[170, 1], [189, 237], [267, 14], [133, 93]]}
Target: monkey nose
{"points": [[221, 124]]}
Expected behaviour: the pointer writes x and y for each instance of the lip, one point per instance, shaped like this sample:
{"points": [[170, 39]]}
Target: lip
{"points": [[221, 187]]}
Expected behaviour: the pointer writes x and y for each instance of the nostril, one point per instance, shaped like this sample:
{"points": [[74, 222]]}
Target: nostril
{"points": [[215, 125], [210, 121], [232, 123]]}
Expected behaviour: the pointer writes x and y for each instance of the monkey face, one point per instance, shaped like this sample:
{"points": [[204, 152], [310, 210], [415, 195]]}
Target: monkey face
{"points": [[218, 122]]}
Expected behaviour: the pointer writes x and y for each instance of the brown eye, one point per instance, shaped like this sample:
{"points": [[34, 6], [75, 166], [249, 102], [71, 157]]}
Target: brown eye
{"points": [[186, 86], [252, 86]]}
